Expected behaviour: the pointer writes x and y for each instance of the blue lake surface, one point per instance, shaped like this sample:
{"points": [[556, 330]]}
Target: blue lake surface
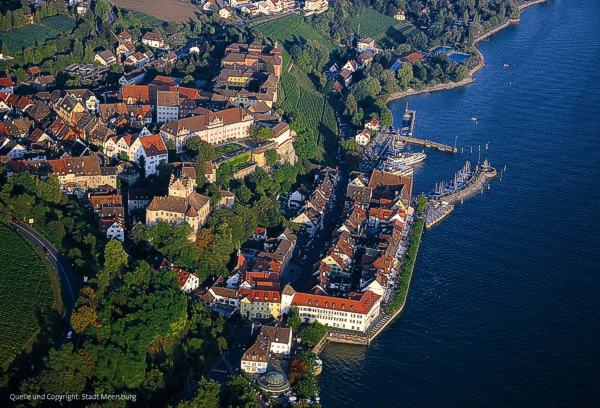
{"points": [[504, 307]]}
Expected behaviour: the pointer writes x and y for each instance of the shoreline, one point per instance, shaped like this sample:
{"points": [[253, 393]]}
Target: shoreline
{"points": [[469, 79]]}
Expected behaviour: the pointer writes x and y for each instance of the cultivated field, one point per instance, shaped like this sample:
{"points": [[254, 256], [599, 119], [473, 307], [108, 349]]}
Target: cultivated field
{"points": [[168, 10], [38, 33], [28, 289], [293, 27], [297, 92], [312, 109], [373, 24]]}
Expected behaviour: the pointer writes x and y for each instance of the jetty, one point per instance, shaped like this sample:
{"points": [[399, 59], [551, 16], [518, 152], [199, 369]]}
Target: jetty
{"points": [[466, 183], [428, 143], [421, 142], [436, 211]]}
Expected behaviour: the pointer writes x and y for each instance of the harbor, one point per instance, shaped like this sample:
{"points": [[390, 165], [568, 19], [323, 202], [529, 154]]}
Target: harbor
{"points": [[466, 183]]}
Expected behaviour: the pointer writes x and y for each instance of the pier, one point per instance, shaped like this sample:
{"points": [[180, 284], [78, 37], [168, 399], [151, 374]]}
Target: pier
{"points": [[428, 143], [440, 205], [436, 211], [422, 142]]}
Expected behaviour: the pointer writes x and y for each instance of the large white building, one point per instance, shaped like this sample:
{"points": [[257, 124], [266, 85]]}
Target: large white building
{"points": [[212, 127], [356, 312], [151, 147]]}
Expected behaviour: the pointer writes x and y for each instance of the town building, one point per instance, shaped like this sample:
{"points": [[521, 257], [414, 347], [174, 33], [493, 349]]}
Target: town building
{"points": [[271, 342], [105, 58], [363, 138], [182, 205], [260, 304], [7, 85], [373, 125], [80, 174], [355, 312], [187, 280], [153, 40], [212, 127], [167, 106], [315, 7], [367, 44]]}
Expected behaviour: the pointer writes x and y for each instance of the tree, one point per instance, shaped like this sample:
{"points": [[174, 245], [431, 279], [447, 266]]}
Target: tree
{"points": [[351, 106], [82, 318], [115, 260], [313, 333], [224, 174], [272, 157], [67, 371], [142, 166], [294, 319], [421, 202], [172, 241], [207, 395], [307, 387], [203, 238], [239, 393], [461, 73], [204, 150], [261, 133], [405, 75]]}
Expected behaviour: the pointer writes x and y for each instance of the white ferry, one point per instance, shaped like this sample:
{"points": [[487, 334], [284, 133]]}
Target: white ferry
{"points": [[399, 169], [408, 159]]}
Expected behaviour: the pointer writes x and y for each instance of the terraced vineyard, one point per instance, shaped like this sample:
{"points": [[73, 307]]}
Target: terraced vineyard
{"points": [[28, 290], [297, 93], [28, 36], [371, 23], [293, 27], [312, 109]]}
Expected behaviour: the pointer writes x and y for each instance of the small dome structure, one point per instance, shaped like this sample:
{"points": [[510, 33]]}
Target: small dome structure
{"points": [[274, 383]]}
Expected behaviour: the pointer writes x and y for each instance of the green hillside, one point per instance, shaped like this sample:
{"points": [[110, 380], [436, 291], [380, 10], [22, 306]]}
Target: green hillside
{"points": [[290, 28]]}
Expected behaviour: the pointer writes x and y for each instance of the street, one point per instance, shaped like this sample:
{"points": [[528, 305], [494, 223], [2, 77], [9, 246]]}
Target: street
{"points": [[69, 287]]}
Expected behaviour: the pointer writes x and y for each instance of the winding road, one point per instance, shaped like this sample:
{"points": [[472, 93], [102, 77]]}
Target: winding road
{"points": [[67, 282]]}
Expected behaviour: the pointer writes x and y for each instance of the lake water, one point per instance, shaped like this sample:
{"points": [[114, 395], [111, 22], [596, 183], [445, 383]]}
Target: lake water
{"points": [[504, 307]]}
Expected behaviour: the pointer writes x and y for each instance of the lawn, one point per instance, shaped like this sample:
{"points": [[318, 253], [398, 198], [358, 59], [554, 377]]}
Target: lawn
{"points": [[371, 23], [228, 149], [238, 161], [29, 36], [290, 28], [29, 289]]}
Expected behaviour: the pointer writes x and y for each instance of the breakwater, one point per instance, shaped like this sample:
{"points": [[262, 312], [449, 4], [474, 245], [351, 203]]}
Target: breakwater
{"points": [[440, 205], [418, 141]]}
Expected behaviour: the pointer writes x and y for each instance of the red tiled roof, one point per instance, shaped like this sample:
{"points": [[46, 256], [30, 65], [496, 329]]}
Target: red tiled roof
{"points": [[139, 93], [153, 145], [362, 305], [412, 57], [268, 296], [6, 82], [182, 276]]}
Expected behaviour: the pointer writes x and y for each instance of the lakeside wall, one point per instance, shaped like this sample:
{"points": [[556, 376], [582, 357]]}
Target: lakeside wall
{"points": [[406, 278]]}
